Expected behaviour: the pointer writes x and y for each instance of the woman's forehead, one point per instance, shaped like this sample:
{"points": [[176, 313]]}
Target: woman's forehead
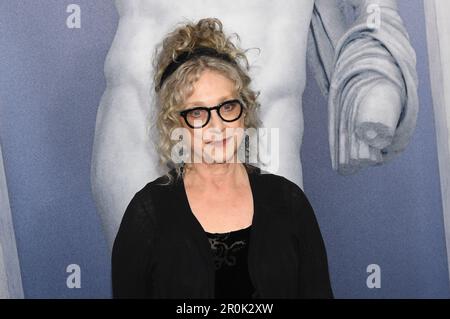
{"points": [[211, 88], [210, 101]]}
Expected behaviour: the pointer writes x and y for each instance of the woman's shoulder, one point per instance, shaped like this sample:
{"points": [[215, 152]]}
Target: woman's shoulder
{"points": [[161, 185], [277, 190], [154, 192], [143, 211], [275, 182]]}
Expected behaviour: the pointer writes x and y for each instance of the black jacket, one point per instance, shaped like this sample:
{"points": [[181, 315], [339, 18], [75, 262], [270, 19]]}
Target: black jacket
{"points": [[161, 250]]}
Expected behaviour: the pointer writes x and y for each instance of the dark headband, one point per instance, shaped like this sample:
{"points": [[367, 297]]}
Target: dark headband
{"points": [[187, 55]]}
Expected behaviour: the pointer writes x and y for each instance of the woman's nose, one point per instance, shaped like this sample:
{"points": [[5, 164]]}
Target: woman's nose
{"points": [[215, 120]]}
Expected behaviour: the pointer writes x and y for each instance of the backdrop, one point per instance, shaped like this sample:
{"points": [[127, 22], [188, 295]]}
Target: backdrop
{"points": [[51, 81]]}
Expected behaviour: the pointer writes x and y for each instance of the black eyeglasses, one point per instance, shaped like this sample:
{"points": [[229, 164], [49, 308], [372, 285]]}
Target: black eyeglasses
{"points": [[198, 117]]}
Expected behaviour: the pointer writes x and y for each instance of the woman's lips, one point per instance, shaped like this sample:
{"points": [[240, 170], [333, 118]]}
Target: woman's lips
{"points": [[223, 141]]}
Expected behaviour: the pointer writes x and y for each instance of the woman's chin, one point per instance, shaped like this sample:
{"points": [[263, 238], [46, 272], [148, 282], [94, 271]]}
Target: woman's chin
{"points": [[219, 158]]}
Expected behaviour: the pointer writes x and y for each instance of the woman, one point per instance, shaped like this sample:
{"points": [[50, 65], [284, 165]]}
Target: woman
{"points": [[214, 226]]}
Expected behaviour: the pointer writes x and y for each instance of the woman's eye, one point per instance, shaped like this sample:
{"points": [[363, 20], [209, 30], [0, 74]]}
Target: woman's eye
{"points": [[228, 107], [195, 113]]}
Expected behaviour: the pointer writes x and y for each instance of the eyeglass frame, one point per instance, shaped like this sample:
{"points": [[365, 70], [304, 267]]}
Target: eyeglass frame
{"points": [[184, 113]]}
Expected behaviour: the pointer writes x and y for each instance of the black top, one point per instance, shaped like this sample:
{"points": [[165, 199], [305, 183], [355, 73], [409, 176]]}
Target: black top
{"points": [[162, 251], [230, 253]]}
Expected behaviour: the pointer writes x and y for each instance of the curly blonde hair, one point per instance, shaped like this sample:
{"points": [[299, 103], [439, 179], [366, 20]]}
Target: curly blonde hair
{"points": [[169, 99]]}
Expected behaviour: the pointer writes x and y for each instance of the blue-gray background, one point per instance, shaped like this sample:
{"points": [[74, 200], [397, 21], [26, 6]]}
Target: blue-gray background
{"points": [[51, 81]]}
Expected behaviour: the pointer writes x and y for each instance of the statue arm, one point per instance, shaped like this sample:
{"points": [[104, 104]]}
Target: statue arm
{"points": [[366, 68]]}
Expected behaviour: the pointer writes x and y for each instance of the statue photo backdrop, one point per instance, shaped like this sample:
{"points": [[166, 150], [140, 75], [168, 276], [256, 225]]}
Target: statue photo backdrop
{"points": [[341, 83]]}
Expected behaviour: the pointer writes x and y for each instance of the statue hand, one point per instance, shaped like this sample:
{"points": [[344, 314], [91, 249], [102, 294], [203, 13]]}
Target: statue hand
{"points": [[378, 114]]}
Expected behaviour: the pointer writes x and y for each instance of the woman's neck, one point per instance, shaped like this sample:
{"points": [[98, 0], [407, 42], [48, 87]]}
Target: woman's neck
{"points": [[217, 174]]}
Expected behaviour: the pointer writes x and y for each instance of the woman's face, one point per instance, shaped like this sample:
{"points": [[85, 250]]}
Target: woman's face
{"points": [[219, 140]]}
